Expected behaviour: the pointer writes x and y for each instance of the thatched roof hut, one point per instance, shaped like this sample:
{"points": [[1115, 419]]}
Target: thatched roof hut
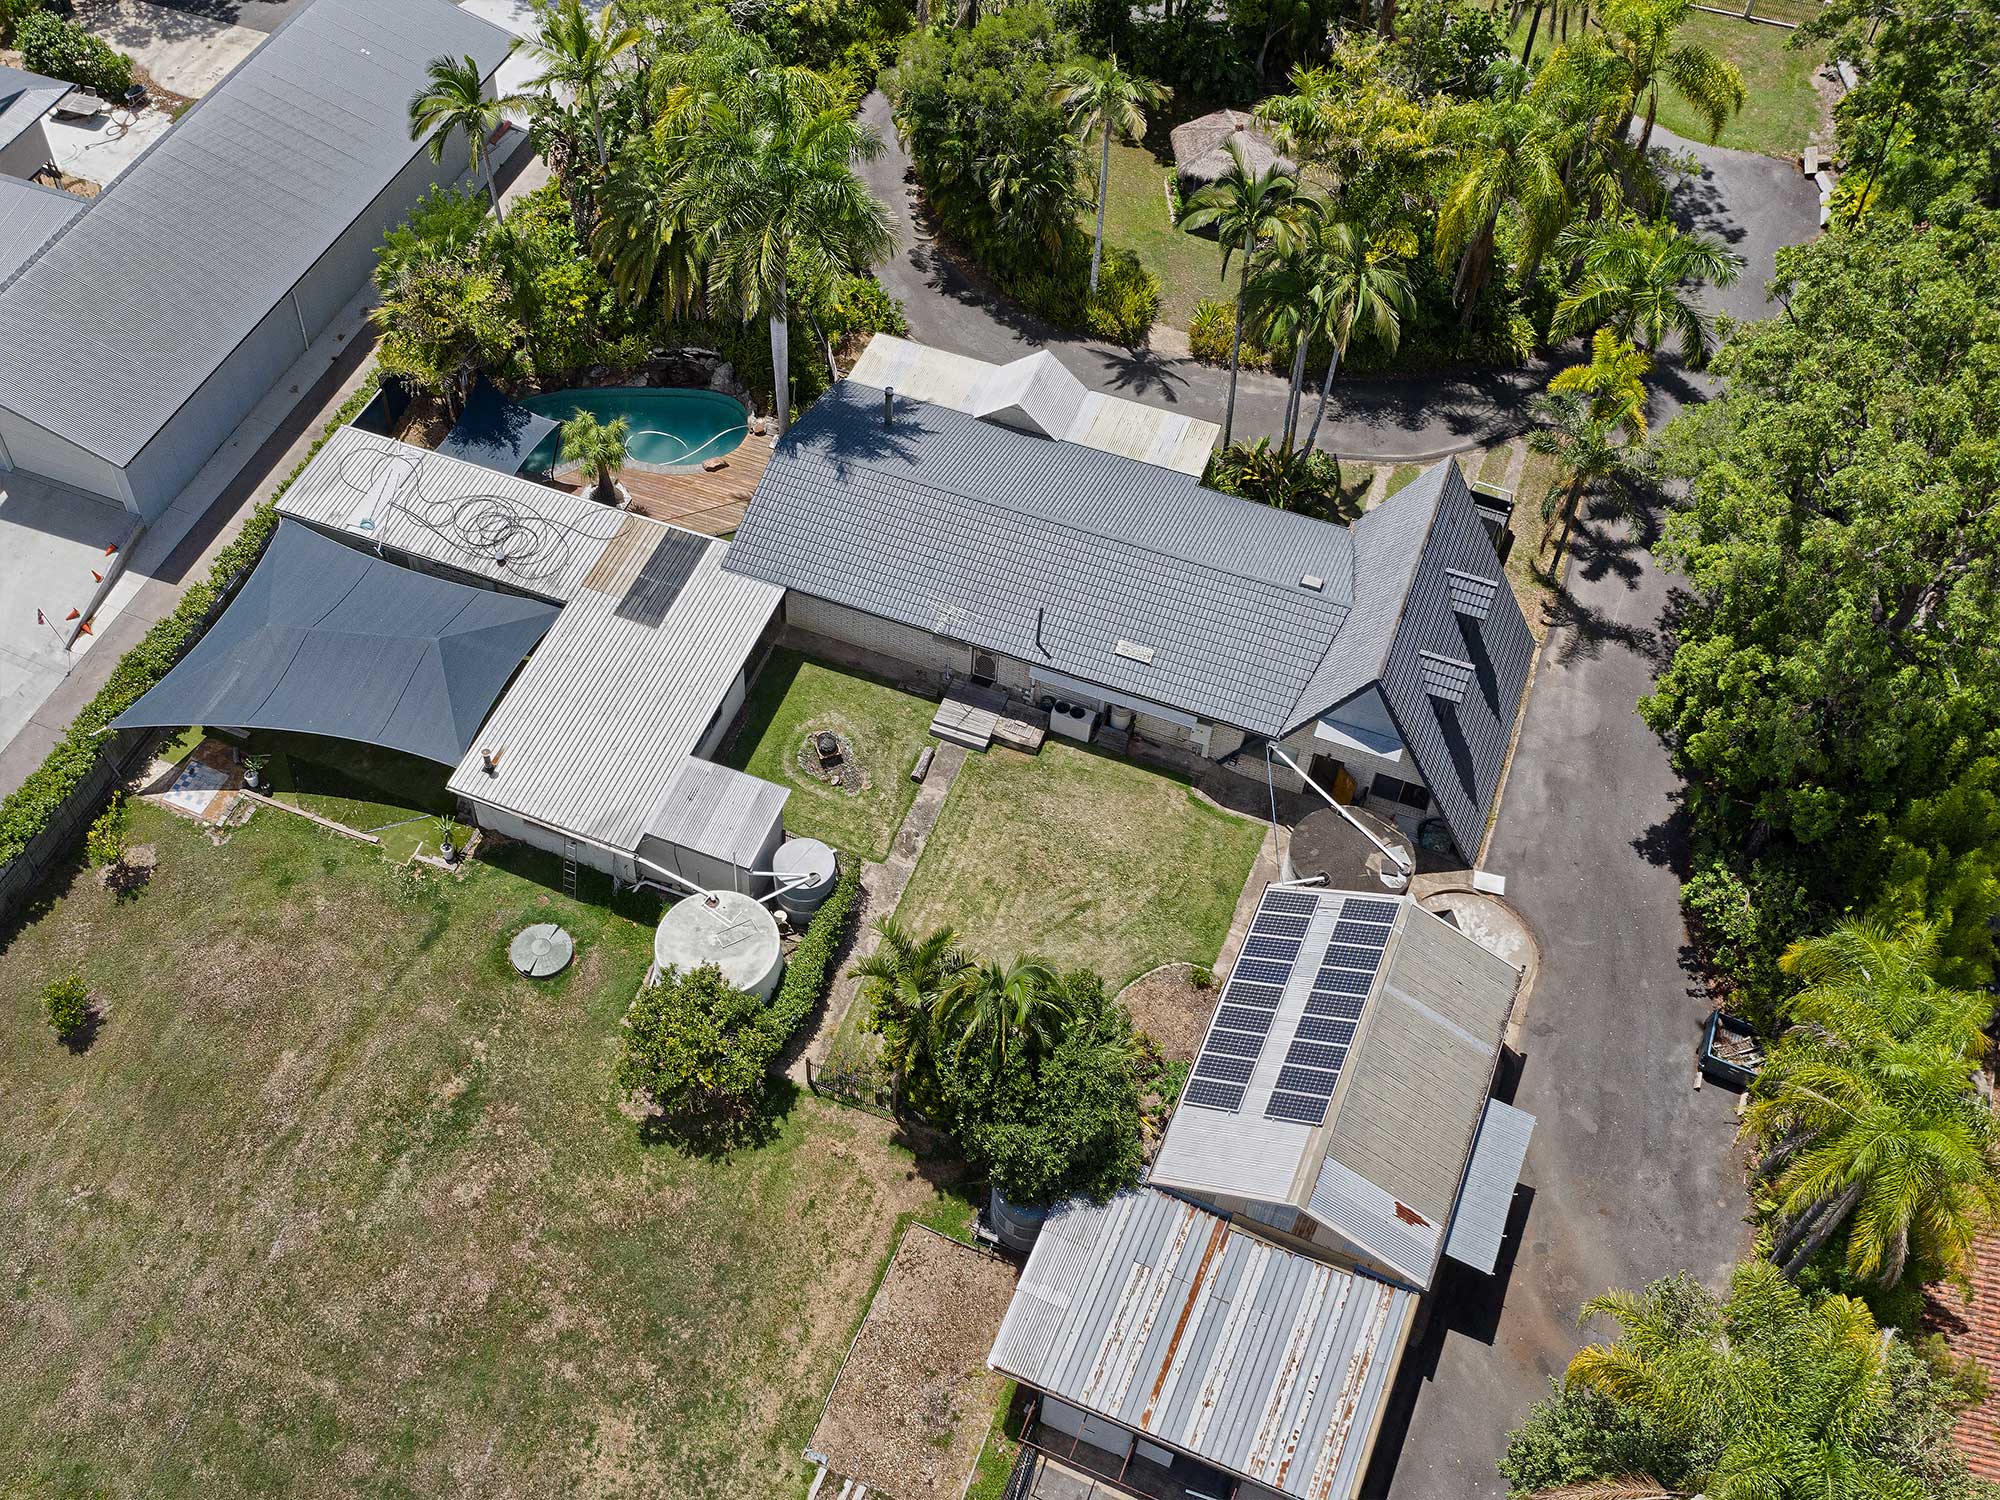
{"points": [[1201, 148]]}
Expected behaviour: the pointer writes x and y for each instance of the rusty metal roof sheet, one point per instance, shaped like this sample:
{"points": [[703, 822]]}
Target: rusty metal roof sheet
{"points": [[1174, 1323]]}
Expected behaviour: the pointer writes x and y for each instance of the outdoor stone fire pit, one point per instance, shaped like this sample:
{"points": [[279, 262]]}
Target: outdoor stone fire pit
{"points": [[828, 755]]}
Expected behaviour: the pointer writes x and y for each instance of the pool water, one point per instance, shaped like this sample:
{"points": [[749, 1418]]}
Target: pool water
{"points": [[670, 429]]}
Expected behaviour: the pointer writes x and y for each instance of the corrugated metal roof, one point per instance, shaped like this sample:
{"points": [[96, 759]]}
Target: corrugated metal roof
{"points": [[717, 811], [1051, 553], [378, 492], [1479, 1223], [1171, 1322], [1385, 1166], [609, 709], [24, 99], [30, 215], [1047, 396], [125, 315]]}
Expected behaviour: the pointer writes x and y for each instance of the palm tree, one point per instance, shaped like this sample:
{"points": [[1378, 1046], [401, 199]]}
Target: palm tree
{"points": [[1639, 279], [1504, 157], [1585, 447], [1101, 96], [576, 53], [1353, 287], [1033, 193], [1869, 984], [901, 982], [1646, 34], [1248, 210], [645, 238], [1614, 381], [770, 180], [598, 446], [1280, 302], [1003, 1010], [454, 100]]}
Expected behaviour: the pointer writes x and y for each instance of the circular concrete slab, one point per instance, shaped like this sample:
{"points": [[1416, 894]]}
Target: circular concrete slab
{"points": [[541, 950]]}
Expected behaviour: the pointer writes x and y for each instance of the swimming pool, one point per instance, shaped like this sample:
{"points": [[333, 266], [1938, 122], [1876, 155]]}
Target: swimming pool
{"points": [[670, 428]]}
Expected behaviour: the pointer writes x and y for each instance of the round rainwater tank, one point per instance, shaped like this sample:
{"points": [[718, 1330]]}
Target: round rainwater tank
{"points": [[726, 929], [811, 863]]}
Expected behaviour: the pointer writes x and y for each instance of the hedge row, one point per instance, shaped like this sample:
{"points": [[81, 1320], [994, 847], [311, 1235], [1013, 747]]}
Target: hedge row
{"points": [[812, 963], [34, 805]]}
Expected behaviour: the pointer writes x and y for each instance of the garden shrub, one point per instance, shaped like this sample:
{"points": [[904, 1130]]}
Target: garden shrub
{"points": [[810, 968], [12, 14], [62, 49], [67, 1001], [1212, 329], [1741, 919], [105, 843], [692, 1043], [1127, 300], [1307, 482], [34, 804]]}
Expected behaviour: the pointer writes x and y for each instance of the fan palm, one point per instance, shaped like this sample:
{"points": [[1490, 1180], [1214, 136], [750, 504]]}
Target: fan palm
{"points": [[1002, 1010], [454, 101], [1646, 34], [1102, 97], [1248, 210], [770, 182], [1614, 380], [901, 982], [576, 53], [1503, 158], [598, 446], [1354, 287], [1640, 279]]}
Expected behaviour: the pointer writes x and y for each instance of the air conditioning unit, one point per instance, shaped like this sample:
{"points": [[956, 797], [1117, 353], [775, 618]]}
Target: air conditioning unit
{"points": [[1076, 720]]}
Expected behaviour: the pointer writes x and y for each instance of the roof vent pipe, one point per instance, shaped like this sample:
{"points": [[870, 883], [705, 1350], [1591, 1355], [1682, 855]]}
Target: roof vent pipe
{"points": [[888, 406]]}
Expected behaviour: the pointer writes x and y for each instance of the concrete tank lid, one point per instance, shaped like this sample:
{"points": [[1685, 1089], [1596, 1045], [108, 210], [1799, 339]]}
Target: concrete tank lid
{"points": [[797, 857], [735, 933]]}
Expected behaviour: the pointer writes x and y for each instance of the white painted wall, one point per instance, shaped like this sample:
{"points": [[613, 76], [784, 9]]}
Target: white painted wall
{"points": [[27, 153], [36, 450]]}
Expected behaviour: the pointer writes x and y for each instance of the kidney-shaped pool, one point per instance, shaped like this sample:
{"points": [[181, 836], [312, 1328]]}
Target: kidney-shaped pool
{"points": [[670, 428]]}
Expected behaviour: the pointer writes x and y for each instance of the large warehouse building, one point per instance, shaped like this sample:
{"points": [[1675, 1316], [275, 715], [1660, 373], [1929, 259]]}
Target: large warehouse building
{"points": [[148, 326]]}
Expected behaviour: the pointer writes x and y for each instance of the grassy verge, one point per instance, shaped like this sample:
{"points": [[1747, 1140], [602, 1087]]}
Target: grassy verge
{"points": [[337, 1203], [1401, 475], [1089, 860], [1002, 1450], [886, 727], [1135, 218]]}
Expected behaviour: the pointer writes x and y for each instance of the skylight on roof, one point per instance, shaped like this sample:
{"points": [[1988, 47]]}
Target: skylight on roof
{"points": [[1133, 651]]}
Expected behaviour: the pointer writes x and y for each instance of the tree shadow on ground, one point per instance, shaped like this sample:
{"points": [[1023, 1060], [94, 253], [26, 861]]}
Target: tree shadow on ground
{"points": [[716, 1135]]}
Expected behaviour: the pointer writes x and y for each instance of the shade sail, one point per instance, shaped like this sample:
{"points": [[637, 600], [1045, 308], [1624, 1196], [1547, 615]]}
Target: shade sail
{"points": [[324, 639], [495, 433]]}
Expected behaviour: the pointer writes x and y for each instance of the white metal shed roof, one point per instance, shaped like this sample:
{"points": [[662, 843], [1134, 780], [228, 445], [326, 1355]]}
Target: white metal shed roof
{"points": [[1173, 1323]]}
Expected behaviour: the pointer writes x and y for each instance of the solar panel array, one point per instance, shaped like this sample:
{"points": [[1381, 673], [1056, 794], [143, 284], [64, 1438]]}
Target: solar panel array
{"points": [[1324, 1034], [1249, 1001]]}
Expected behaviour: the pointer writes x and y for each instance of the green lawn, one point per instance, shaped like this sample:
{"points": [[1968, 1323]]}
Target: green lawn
{"points": [[395, 796], [1090, 860], [1781, 110], [336, 1204], [795, 696], [1401, 475], [1135, 218]]}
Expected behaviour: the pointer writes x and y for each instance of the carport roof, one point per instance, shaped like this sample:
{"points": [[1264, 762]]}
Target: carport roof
{"points": [[328, 640]]}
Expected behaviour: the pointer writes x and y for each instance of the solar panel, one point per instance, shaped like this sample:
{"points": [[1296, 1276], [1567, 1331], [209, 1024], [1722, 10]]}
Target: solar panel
{"points": [[1236, 1043], [1363, 910], [1364, 934], [1298, 1107], [1308, 1080], [1281, 948], [1212, 1095], [1298, 903], [1275, 924], [1345, 956], [1341, 1007], [1213, 1064], [664, 574], [1264, 996], [1343, 982], [1239, 1018], [1262, 971], [1325, 1029], [1312, 1055]]}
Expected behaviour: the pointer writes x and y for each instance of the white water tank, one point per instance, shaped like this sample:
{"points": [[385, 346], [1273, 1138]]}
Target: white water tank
{"points": [[727, 929], [810, 863]]}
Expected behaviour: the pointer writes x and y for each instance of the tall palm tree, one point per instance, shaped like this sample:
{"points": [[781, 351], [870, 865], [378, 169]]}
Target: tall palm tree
{"points": [[1354, 287], [1503, 157], [770, 179], [453, 100], [598, 446], [1248, 210], [1280, 302], [1640, 279], [1646, 34], [576, 53], [1003, 1010], [1585, 446], [1101, 96], [1614, 381], [901, 982], [1868, 984]]}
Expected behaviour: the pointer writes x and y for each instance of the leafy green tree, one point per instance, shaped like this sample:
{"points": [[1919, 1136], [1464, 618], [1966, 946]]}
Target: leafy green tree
{"points": [[599, 447], [1646, 34], [576, 54], [453, 101], [444, 224], [1640, 279], [444, 321], [1102, 98], [693, 1044], [66, 1001], [1249, 211]]}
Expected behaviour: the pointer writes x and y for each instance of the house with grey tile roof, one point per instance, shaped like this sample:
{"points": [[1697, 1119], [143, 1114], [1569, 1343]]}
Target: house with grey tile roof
{"points": [[1388, 657], [144, 329]]}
